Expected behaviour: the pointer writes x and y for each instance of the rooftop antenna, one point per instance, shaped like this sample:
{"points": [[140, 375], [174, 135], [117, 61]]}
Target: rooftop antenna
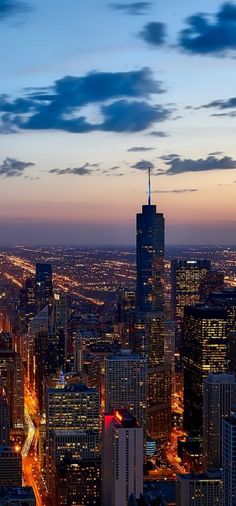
{"points": [[149, 185]]}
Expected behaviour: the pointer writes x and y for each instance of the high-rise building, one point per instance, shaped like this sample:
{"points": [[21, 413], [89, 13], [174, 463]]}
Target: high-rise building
{"points": [[17, 496], [126, 384], [213, 282], [4, 418], [170, 348], [72, 407], [148, 323], [78, 482], [199, 489], [229, 460], [122, 458], [186, 277], [44, 286], [205, 351], [227, 300], [150, 258], [219, 399], [10, 466], [11, 372]]}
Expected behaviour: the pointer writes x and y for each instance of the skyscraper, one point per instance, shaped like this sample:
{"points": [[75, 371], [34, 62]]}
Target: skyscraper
{"points": [[11, 372], [148, 327], [122, 458], [199, 489], [126, 384], [229, 460], [219, 399], [186, 278], [44, 287], [150, 256], [205, 351], [4, 418]]}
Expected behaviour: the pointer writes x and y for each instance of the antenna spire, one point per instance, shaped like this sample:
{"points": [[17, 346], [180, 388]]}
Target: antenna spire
{"points": [[149, 185]]}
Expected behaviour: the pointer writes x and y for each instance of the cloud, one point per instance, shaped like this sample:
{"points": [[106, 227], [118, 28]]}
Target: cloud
{"points": [[205, 34], [154, 33], [11, 167], [132, 8], [137, 149], [158, 133], [181, 190], [142, 165], [84, 170], [222, 105], [121, 97], [9, 8], [178, 165]]}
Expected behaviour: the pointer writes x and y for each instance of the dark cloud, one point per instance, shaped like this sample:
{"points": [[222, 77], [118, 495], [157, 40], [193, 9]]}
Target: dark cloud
{"points": [[229, 103], [132, 8], [60, 107], [178, 165], [158, 133], [12, 7], [210, 35], [142, 165], [137, 149], [154, 33], [181, 190], [11, 167], [84, 170], [231, 114]]}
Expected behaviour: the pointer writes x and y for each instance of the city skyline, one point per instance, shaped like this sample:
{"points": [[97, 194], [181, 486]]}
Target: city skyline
{"points": [[109, 89]]}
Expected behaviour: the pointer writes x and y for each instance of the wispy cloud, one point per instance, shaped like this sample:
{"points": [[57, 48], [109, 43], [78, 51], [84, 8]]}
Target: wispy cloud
{"points": [[142, 165], [9, 8], [137, 149], [177, 165], [131, 8], [11, 167]]}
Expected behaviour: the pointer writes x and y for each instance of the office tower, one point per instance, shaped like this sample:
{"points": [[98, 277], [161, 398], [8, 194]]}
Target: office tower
{"points": [[205, 351], [199, 489], [70, 407], [219, 399], [78, 353], [39, 324], [17, 496], [10, 466], [126, 305], [6, 341], [169, 349], [11, 372], [27, 301], [213, 282], [159, 402], [59, 319], [229, 460], [41, 367], [74, 447], [126, 384], [186, 277], [4, 418], [78, 482], [44, 286], [150, 256], [73, 406], [5, 323], [227, 300], [122, 458], [148, 338]]}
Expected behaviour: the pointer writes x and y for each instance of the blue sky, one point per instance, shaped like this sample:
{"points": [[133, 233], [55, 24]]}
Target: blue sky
{"points": [[93, 91]]}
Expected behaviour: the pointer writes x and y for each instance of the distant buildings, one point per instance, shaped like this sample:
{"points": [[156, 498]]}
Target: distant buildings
{"points": [[17, 496], [10, 466]]}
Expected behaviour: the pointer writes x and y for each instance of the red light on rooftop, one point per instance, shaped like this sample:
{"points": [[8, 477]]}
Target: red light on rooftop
{"points": [[119, 416]]}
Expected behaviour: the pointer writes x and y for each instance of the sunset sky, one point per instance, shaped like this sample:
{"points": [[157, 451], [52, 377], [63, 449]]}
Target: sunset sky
{"points": [[91, 93]]}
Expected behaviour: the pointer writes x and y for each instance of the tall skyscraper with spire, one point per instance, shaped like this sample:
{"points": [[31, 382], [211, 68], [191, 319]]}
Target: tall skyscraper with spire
{"points": [[148, 339], [150, 256]]}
